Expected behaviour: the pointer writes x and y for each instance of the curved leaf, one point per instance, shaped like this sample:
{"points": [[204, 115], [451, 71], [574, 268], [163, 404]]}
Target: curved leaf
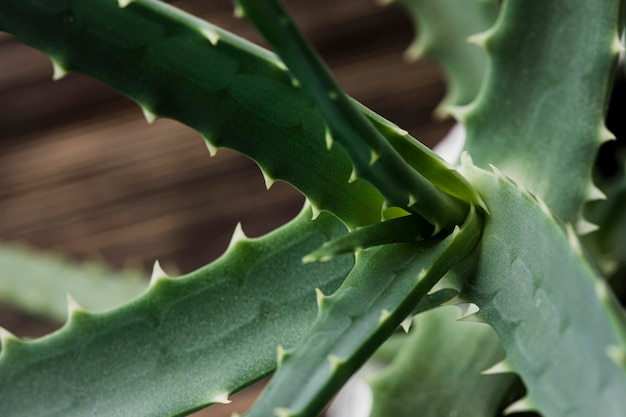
{"points": [[562, 329], [385, 285], [185, 343]]}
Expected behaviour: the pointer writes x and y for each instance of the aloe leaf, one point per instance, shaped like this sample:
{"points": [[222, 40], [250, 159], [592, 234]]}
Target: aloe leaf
{"points": [[402, 229], [174, 65], [437, 371], [374, 158], [382, 289], [38, 283], [561, 327], [186, 342], [540, 116], [444, 27]]}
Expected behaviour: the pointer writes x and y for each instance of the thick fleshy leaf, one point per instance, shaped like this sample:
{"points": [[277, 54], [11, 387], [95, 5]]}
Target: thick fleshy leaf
{"points": [[385, 285], [186, 342], [561, 327]]}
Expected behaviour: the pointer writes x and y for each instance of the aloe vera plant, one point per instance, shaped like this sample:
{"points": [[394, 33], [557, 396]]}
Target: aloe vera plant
{"points": [[390, 231]]}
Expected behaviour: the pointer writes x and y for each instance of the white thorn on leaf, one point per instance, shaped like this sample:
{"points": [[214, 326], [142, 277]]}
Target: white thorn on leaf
{"points": [[399, 131], [353, 176], [618, 47], [617, 354], [221, 398], [328, 139], [471, 318], [315, 212], [595, 194], [148, 114], [466, 159], [72, 306], [211, 34], [58, 71], [605, 134], [384, 315], [602, 291], [544, 207], [335, 361], [519, 406], [412, 200], [319, 297], [468, 309], [283, 412], [455, 301], [157, 273], [406, 324], [308, 259], [498, 173], [501, 367], [238, 236], [573, 240], [281, 353], [422, 274], [480, 39], [280, 65], [584, 227], [6, 337], [267, 178], [123, 3], [414, 52], [374, 156], [211, 147]]}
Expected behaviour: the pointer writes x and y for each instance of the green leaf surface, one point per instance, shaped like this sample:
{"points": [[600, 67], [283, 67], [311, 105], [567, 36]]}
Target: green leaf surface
{"points": [[437, 371], [38, 283], [444, 27], [402, 229], [236, 94], [186, 342], [540, 116], [562, 329], [385, 285], [374, 158]]}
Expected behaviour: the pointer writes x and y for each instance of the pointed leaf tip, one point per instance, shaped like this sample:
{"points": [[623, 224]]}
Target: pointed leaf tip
{"points": [[123, 3]]}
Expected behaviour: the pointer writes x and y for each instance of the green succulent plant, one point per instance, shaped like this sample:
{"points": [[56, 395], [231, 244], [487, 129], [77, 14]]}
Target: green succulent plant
{"points": [[389, 234]]}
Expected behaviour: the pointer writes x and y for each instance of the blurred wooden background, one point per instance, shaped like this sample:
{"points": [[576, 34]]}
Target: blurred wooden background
{"points": [[83, 174]]}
